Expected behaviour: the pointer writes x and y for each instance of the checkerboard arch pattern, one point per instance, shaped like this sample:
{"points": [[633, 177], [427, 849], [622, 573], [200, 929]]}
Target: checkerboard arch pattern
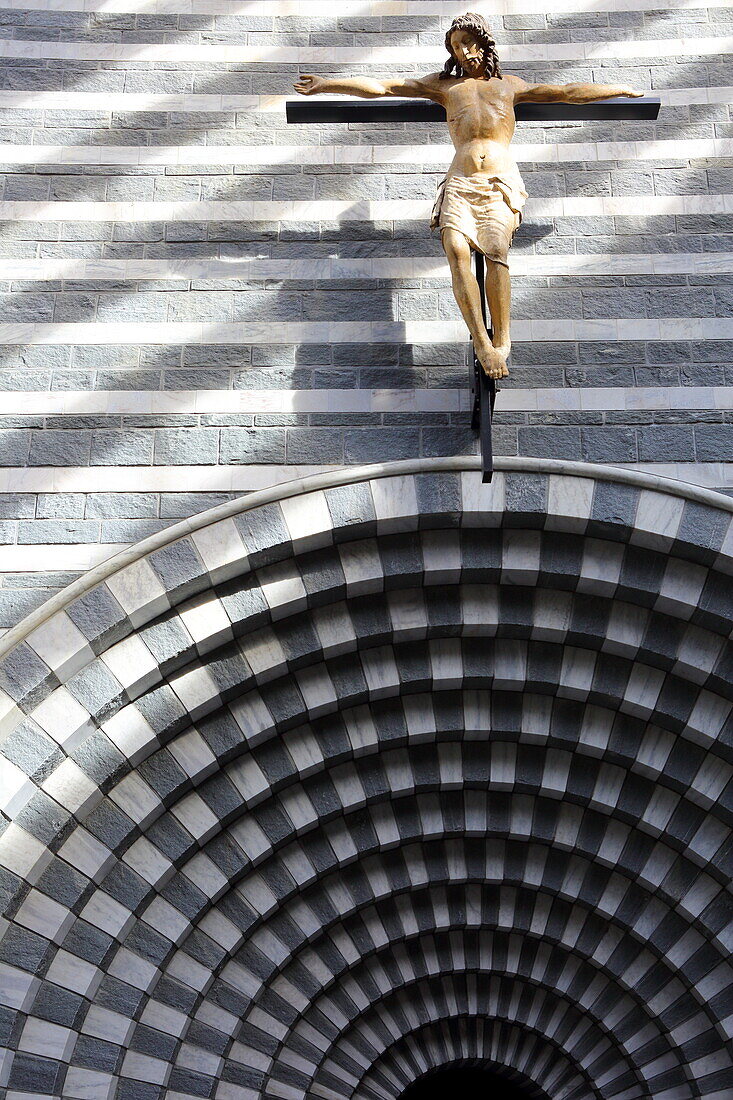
{"points": [[373, 758]]}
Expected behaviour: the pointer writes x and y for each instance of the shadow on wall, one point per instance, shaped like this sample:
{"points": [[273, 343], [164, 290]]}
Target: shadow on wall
{"points": [[349, 366], [214, 362]]}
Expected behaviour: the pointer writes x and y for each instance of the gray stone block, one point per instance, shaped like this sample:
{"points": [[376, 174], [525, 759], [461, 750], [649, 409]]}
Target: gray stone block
{"points": [[178, 505], [96, 1054], [252, 445], [161, 420], [16, 603], [659, 443], [526, 494], [608, 444], [23, 949], [687, 302], [180, 568], [99, 617], [121, 506], [203, 379], [57, 1005], [26, 188], [17, 505], [713, 442], [381, 444], [130, 530], [169, 643], [264, 533], [59, 531], [122, 448], [14, 447], [130, 1089], [701, 532], [504, 440], [96, 689], [10, 1027], [315, 445], [24, 676], [21, 380], [100, 760], [149, 1041], [12, 889], [186, 446], [59, 448], [30, 749], [437, 442], [550, 442], [64, 884], [8, 532], [163, 711], [27, 307], [111, 826], [30, 1073], [60, 506]]}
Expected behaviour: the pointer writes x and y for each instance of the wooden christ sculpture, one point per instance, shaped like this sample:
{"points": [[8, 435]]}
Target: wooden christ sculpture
{"points": [[479, 203]]}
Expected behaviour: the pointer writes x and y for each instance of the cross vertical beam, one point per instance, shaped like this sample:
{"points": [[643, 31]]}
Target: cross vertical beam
{"points": [[483, 388]]}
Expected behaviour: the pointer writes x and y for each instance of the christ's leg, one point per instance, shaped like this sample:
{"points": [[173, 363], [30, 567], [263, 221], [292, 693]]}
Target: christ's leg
{"points": [[467, 295], [498, 297]]}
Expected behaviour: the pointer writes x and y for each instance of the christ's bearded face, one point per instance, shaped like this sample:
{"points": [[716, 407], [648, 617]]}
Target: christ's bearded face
{"points": [[468, 52]]}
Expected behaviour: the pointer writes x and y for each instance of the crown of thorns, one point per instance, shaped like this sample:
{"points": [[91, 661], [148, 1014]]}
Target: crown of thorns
{"points": [[479, 28]]}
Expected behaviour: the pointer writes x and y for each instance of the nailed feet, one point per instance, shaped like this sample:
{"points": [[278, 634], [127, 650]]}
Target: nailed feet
{"points": [[493, 359]]}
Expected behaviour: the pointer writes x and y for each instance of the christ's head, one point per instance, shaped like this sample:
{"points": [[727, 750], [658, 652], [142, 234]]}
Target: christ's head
{"points": [[472, 48]]}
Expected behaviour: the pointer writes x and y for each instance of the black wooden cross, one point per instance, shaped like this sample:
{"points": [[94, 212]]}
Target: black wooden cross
{"points": [[306, 110]]}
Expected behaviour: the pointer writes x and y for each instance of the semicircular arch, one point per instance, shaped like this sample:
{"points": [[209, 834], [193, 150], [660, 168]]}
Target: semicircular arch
{"points": [[270, 621]]}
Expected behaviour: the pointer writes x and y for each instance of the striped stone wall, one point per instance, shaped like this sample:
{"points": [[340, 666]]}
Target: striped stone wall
{"points": [[197, 300]]}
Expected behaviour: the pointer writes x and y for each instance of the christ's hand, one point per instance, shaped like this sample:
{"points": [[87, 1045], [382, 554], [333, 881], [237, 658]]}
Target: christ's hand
{"points": [[629, 92], [308, 84]]}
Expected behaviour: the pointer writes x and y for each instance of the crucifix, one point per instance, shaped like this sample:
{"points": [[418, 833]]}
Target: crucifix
{"points": [[479, 203]]}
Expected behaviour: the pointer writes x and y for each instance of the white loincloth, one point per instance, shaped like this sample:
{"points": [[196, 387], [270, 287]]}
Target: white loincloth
{"points": [[487, 210]]}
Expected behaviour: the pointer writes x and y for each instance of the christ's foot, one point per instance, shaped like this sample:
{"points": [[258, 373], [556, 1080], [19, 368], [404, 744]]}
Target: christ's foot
{"points": [[493, 360], [502, 350]]}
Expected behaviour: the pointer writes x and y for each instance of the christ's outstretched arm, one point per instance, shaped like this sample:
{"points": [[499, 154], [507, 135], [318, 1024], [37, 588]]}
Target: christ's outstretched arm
{"points": [[568, 93], [367, 87]]}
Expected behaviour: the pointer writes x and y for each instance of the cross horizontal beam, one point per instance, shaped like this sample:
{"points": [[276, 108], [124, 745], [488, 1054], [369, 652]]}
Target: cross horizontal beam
{"points": [[305, 110]]}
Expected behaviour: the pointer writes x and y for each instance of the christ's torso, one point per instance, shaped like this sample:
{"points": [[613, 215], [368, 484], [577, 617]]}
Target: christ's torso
{"points": [[480, 116]]}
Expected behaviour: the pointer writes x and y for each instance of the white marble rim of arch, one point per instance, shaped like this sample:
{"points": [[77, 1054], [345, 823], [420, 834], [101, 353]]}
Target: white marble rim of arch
{"points": [[451, 400], [665, 478], [313, 210], [273, 156], [448, 331], [63, 100], [202, 54], [374, 9], [247, 479], [81, 556], [575, 264]]}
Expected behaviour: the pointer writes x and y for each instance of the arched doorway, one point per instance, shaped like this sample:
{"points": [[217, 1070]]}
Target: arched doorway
{"points": [[374, 774]]}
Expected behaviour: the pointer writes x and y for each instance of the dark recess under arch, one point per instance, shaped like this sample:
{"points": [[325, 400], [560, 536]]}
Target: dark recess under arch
{"points": [[460, 1081]]}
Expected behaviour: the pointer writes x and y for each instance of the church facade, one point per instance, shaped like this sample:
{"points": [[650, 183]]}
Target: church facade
{"points": [[323, 765]]}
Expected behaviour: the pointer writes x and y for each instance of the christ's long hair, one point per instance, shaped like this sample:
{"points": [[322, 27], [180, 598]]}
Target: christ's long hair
{"points": [[477, 26]]}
